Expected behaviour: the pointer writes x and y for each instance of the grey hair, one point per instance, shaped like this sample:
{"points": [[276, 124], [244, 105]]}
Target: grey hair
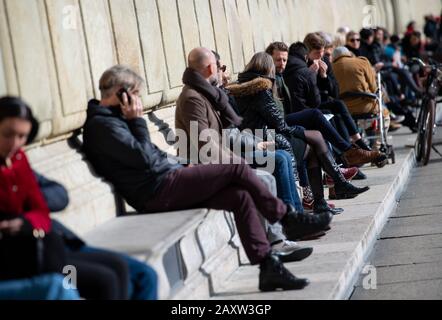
{"points": [[328, 38], [341, 51], [118, 76]]}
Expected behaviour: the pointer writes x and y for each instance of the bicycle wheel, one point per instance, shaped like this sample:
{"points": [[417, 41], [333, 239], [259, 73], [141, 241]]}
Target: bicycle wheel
{"points": [[419, 145], [429, 131]]}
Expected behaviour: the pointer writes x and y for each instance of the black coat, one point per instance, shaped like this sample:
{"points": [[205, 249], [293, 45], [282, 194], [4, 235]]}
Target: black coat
{"points": [[120, 150], [257, 106], [302, 84]]}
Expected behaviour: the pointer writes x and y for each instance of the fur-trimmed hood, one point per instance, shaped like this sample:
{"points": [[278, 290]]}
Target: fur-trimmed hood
{"points": [[250, 88]]}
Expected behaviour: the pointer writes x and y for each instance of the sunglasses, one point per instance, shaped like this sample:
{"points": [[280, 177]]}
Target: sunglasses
{"points": [[355, 40]]}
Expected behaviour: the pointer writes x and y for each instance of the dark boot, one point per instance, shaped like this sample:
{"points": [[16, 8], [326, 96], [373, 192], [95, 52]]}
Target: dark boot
{"points": [[300, 225], [319, 204], [342, 188], [273, 275]]}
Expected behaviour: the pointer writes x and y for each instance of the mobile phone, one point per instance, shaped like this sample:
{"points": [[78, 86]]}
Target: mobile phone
{"points": [[120, 95]]}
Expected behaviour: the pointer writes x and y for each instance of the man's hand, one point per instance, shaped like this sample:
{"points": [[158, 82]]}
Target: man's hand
{"points": [[323, 68], [11, 227], [131, 110], [315, 66], [264, 145]]}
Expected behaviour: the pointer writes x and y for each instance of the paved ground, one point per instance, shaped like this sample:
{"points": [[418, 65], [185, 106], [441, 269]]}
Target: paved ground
{"points": [[408, 255]]}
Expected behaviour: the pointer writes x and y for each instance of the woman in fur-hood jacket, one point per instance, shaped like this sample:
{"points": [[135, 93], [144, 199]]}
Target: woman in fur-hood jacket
{"points": [[256, 97]]}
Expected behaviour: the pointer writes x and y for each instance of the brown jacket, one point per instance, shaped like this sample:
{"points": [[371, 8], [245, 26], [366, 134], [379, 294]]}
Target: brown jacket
{"points": [[194, 107], [356, 75]]}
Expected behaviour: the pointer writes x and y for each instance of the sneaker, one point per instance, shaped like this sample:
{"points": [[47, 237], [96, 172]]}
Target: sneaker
{"points": [[273, 275], [290, 251], [309, 205], [348, 174]]}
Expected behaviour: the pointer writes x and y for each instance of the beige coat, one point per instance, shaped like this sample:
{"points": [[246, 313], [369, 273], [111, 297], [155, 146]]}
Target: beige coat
{"points": [[356, 75]]}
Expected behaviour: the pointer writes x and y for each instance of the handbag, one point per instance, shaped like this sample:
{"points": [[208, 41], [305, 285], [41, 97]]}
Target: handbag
{"points": [[29, 255]]}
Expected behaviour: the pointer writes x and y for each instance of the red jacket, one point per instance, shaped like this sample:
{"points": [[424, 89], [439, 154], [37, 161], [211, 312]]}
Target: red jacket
{"points": [[21, 195]]}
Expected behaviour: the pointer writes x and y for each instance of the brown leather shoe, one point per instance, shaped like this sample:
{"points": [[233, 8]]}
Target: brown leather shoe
{"points": [[357, 157]]}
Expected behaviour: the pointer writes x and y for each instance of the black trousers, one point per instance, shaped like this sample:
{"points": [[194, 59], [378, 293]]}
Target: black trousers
{"points": [[100, 275], [345, 124]]}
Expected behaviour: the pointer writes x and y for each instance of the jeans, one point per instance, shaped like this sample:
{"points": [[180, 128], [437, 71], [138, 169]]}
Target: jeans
{"points": [[44, 287], [285, 181], [143, 279], [313, 119]]}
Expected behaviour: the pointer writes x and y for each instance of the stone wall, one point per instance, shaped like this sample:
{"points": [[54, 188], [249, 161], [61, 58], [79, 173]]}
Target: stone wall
{"points": [[52, 52]]}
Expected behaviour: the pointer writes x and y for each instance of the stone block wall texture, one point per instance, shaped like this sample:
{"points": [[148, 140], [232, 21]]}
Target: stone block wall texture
{"points": [[52, 52]]}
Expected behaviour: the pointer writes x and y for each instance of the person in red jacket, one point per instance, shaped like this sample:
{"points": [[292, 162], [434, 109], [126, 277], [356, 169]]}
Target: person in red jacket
{"points": [[20, 196], [24, 214]]}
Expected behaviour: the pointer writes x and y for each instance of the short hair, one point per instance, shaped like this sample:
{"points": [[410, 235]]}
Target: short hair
{"points": [[366, 33], [118, 76], [314, 41], [15, 107], [280, 46], [340, 52], [298, 48]]}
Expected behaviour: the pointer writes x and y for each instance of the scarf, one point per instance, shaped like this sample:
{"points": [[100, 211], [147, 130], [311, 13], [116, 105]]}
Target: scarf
{"points": [[216, 96]]}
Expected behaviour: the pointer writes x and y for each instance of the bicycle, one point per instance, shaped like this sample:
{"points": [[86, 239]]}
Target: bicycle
{"points": [[427, 111]]}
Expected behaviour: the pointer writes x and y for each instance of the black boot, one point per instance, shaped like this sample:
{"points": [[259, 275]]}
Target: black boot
{"points": [[273, 275], [319, 204], [300, 225], [343, 189]]}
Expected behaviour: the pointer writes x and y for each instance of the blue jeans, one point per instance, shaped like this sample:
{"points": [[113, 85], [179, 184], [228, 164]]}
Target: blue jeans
{"points": [[44, 287], [143, 279], [284, 176]]}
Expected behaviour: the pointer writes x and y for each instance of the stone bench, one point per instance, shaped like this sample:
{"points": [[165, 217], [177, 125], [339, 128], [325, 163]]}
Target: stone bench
{"points": [[192, 251]]}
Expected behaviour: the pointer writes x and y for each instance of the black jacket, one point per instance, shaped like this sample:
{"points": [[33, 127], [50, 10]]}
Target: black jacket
{"points": [[257, 106], [302, 84], [373, 52], [120, 150]]}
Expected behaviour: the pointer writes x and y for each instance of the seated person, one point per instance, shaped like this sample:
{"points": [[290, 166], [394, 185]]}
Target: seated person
{"points": [[117, 143], [355, 74], [143, 279], [24, 219]]}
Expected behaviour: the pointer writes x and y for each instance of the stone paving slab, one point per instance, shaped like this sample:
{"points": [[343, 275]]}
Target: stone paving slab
{"points": [[423, 290]]}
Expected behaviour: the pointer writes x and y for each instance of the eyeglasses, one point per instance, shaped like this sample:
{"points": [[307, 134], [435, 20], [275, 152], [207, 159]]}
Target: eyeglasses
{"points": [[355, 40]]}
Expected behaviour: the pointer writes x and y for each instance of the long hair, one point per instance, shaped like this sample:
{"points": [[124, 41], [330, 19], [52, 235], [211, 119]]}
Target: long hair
{"points": [[262, 64], [14, 107]]}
